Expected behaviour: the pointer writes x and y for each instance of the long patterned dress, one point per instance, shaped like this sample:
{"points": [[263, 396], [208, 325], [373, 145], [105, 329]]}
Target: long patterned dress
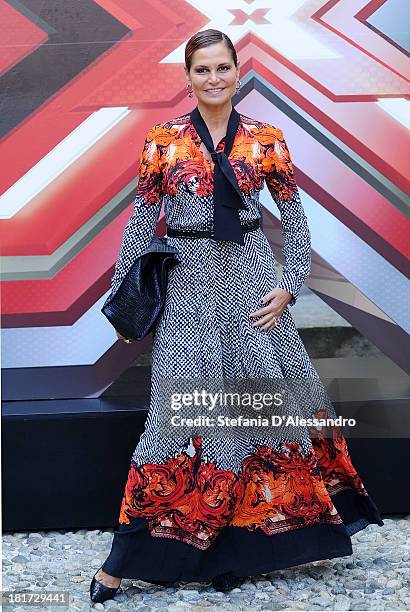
{"points": [[198, 506]]}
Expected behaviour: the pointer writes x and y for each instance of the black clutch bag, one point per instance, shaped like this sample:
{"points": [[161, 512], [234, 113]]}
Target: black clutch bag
{"points": [[138, 301]]}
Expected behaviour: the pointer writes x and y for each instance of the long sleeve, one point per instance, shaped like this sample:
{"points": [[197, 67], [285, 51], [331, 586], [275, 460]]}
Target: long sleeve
{"points": [[141, 226], [282, 186]]}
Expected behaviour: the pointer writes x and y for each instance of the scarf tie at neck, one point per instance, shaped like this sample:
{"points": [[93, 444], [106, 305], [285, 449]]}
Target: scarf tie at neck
{"points": [[228, 198]]}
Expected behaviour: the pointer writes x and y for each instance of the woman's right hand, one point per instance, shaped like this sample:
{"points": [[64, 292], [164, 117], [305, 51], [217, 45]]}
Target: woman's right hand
{"points": [[121, 337]]}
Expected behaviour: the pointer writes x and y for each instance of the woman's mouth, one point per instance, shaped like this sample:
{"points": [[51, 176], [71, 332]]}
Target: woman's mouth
{"points": [[215, 91]]}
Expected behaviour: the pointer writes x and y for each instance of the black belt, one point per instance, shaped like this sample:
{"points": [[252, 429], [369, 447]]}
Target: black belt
{"points": [[247, 226]]}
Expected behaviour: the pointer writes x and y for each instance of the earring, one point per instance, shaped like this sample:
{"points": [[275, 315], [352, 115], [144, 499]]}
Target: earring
{"points": [[238, 86], [189, 91]]}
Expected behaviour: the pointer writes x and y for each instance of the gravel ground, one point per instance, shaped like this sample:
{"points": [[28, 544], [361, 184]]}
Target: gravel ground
{"points": [[375, 577]]}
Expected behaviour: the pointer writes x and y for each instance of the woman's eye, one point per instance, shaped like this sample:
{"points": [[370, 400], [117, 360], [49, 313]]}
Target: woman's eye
{"points": [[200, 70]]}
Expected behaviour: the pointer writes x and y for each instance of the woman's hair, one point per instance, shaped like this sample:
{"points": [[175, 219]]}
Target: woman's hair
{"points": [[204, 38]]}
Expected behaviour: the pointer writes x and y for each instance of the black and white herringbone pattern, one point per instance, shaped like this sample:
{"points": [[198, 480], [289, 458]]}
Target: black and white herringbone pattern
{"points": [[205, 329]]}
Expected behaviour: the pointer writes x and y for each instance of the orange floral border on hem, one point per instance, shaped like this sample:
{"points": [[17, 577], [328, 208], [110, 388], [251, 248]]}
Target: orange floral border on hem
{"points": [[191, 500]]}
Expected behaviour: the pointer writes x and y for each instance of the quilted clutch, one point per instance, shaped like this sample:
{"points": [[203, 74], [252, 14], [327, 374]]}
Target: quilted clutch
{"points": [[135, 306]]}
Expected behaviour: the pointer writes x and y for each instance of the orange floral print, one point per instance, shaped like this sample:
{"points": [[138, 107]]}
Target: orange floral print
{"points": [[191, 500]]}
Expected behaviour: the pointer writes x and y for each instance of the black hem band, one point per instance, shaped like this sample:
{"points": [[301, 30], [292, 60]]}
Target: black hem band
{"points": [[136, 554]]}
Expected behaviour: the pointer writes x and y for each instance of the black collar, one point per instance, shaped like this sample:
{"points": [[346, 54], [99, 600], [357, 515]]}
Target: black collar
{"points": [[202, 129]]}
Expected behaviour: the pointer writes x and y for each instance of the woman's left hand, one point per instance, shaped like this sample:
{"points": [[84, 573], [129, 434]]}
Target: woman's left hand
{"points": [[278, 300]]}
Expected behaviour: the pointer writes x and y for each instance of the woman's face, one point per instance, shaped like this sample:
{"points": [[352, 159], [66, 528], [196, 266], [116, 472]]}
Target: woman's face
{"points": [[213, 68]]}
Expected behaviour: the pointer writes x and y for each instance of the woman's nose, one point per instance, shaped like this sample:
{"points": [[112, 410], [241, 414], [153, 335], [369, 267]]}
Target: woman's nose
{"points": [[214, 78]]}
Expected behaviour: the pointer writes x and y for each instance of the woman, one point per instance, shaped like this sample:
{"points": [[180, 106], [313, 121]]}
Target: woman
{"points": [[222, 507]]}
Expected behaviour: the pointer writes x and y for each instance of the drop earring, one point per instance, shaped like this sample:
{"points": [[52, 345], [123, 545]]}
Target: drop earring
{"points": [[189, 91], [238, 86]]}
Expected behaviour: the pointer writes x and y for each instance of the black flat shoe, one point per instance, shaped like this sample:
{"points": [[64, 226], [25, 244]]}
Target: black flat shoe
{"points": [[226, 582], [99, 592]]}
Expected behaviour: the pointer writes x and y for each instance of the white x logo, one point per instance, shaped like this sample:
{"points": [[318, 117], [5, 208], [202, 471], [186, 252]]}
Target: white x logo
{"points": [[273, 22]]}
